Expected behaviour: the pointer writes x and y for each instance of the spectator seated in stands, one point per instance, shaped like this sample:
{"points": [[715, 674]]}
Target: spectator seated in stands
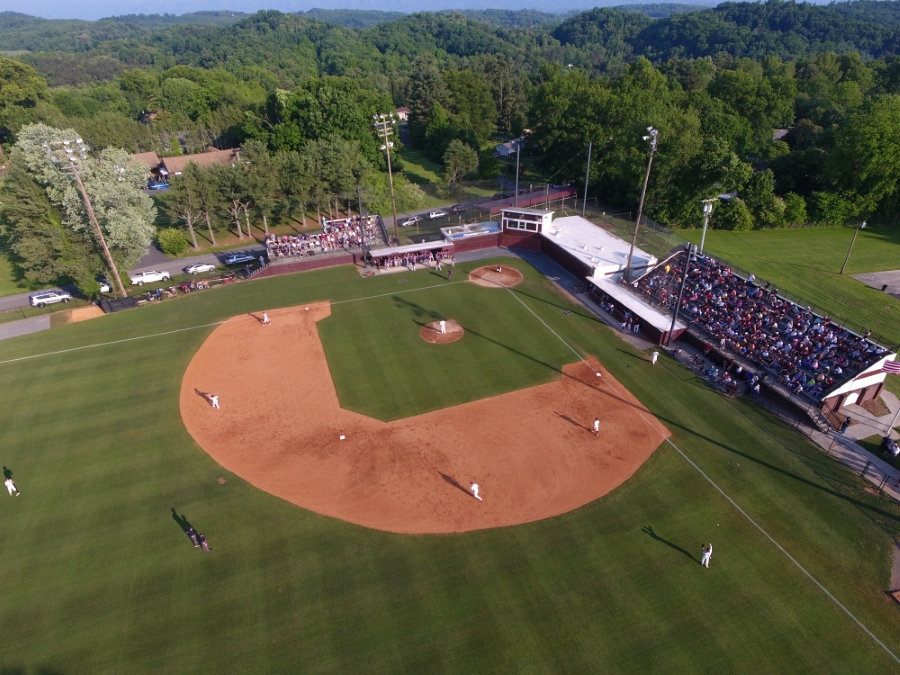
{"points": [[807, 353]]}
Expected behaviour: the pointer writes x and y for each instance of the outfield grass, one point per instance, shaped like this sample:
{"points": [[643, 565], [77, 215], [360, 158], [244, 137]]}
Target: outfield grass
{"points": [[808, 261], [99, 578]]}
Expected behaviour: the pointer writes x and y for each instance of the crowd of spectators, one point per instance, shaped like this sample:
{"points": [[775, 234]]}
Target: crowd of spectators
{"points": [[807, 353], [335, 235]]}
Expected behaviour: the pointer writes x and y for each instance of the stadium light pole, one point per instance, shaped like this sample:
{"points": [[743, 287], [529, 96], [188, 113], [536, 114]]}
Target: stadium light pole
{"points": [[859, 227], [587, 174], [518, 152], [67, 156], [688, 250], [653, 138], [384, 127], [707, 211]]}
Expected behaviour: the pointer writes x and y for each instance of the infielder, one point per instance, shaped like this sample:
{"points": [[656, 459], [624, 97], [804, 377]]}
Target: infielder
{"points": [[214, 401], [596, 428], [265, 321], [474, 489], [443, 327], [14, 491], [707, 554]]}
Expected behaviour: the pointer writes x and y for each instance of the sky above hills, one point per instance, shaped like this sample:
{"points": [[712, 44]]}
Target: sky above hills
{"points": [[96, 9]]}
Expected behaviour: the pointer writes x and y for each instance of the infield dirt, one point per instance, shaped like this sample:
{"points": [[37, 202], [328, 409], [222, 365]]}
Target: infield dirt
{"points": [[531, 451]]}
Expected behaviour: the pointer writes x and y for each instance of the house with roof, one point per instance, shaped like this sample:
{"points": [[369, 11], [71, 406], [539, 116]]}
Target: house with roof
{"points": [[174, 166]]}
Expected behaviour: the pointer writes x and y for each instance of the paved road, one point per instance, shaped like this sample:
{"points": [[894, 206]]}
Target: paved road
{"points": [[154, 259]]}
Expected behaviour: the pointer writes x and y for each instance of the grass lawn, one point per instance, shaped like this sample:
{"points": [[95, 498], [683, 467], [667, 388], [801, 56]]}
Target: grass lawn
{"points": [[98, 577], [807, 262]]}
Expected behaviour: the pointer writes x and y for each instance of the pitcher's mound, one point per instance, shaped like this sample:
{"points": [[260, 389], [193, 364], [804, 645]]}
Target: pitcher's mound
{"points": [[490, 276], [432, 333]]}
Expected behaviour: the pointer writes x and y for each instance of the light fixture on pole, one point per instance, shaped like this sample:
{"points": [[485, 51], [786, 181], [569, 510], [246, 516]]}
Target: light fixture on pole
{"points": [[384, 127], [67, 157], [653, 138], [859, 227]]}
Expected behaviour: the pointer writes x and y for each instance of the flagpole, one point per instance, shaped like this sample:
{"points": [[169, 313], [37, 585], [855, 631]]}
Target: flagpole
{"points": [[887, 369]]}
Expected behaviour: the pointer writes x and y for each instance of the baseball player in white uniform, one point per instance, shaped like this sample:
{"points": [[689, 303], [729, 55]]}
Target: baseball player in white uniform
{"points": [[265, 321], [443, 327], [14, 491], [214, 401], [474, 489], [596, 428], [707, 554], [654, 357]]}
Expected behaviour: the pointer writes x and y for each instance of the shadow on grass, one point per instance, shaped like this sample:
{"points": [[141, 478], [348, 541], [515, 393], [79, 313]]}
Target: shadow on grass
{"points": [[648, 529]]}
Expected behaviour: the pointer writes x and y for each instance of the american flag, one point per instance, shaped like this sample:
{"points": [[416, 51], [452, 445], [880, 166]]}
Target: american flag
{"points": [[892, 367]]}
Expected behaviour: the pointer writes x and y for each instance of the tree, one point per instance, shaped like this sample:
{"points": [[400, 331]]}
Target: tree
{"points": [[20, 90], [471, 105], [261, 178], [45, 249], [864, 164], [186, 200], [426, 88], [113, 184], [459, 160]]}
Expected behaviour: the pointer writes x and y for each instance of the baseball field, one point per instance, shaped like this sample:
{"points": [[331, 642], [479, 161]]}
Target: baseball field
{"points": [[98, 576]]}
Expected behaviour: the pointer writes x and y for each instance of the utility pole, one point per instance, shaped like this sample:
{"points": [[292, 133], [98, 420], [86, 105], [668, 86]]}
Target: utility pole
{"points": [[859, 227], [653, 138], [384, 127], [73, 156], [587, 174]]}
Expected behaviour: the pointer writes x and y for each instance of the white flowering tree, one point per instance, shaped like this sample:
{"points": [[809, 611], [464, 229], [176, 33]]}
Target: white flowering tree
{"points": [[99, 197]]}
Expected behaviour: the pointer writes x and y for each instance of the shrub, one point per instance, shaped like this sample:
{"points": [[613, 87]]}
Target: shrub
{"points": [[171, 241]]}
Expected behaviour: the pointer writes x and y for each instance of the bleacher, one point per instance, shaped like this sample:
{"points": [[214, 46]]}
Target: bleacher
{"points": [[806, 352]]}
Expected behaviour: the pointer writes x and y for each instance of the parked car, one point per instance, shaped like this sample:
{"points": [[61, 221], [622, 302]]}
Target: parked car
{"points": [[105, 286], [458, 208], [238, 258], [141, 278], [198, 268], [157, 185], [45, 298], [412, 220], [434, 215], [501, 195]]}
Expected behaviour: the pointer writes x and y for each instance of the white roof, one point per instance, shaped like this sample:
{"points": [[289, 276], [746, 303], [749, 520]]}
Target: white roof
{"points": [[594, 246], [409, 248], [647, 313]]}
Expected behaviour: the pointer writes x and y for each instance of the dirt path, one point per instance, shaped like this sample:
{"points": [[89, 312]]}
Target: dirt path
{"points": [[280, 424]]}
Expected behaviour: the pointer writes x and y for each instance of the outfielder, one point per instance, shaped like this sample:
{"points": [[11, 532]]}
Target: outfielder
{"points": [[14, 491], [707, 554]]}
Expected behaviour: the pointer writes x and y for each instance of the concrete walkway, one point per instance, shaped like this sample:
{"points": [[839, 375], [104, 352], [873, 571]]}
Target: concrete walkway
{"points": [[24, 327]]}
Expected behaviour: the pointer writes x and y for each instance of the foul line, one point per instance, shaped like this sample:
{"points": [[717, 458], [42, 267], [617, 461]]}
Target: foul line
{"points": [[580, 357], [207, 325], [730, 500], [106, 344]]}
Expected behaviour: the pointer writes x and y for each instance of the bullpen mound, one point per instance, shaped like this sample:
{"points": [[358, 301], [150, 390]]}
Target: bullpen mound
{"points": [[280, 424], [489, 276]]}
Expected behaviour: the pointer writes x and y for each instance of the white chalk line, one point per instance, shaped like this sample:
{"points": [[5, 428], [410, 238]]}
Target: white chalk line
{"points": [[106, 344], [207, 325], [730, 500]]}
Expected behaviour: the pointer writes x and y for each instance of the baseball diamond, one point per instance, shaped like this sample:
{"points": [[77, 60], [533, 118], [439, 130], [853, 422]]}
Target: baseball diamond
{"points": [[281, 429]]}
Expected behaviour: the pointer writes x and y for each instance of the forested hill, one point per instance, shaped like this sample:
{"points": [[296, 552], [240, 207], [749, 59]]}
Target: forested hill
{"points": [[601, 39]]}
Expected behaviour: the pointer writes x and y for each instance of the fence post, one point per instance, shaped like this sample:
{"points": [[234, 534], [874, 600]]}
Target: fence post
{"points": [[866, 468]]}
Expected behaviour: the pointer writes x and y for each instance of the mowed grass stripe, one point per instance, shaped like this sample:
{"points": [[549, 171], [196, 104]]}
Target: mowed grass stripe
{"points": [[118, 588]]}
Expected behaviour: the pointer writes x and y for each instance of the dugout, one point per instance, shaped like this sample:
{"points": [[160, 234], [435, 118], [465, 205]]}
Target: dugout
{"points": [[394, 256]]}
